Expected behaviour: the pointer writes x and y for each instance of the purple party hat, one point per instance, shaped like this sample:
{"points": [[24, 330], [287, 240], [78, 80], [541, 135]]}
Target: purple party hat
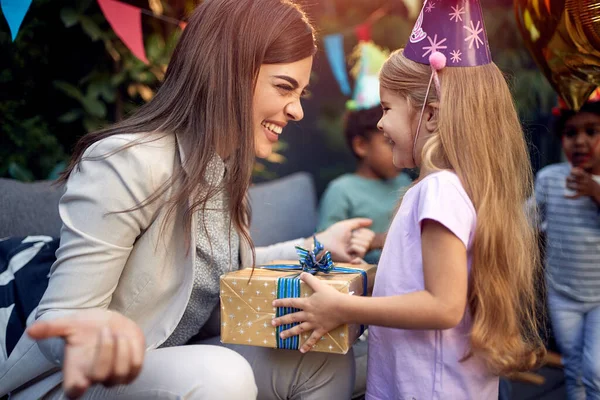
{"points": [[452, 27]]}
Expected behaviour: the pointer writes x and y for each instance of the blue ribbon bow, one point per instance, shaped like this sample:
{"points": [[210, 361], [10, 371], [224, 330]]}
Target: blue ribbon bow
{"points": [[311, 263]]}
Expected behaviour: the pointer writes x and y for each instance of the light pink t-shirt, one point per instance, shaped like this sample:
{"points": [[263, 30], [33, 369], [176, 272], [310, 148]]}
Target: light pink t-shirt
{"points": [[424, 365]]}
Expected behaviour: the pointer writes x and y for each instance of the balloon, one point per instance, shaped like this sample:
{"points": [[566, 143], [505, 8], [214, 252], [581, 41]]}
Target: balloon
{"points": [[563, 37]]}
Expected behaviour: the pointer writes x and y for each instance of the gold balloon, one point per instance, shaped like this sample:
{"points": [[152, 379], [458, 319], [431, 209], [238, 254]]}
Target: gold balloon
{"points": [[563, 37]]}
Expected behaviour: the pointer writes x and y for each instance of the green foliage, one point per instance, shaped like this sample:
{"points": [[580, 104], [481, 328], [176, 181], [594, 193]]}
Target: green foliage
{"points": [[28, 148], [66, 74], [107, 84]]}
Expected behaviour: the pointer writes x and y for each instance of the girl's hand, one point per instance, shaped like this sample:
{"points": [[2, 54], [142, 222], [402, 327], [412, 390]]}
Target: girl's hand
{"points": [[361, 242], [101, 346], [378, 241], [320, 312], [583, 184]]}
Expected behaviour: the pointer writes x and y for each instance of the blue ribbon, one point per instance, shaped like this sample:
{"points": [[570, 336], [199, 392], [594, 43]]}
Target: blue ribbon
{"points": [[311, 263], [289, 287]]}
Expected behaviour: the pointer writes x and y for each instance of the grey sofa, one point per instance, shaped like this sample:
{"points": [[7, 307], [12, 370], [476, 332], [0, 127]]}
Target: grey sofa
{"points": [[282, 209]]}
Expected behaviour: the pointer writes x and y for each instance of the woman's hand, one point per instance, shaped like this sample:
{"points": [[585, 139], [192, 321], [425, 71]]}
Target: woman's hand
{"points": [[346, 240], [320, 312], [101, 346]]}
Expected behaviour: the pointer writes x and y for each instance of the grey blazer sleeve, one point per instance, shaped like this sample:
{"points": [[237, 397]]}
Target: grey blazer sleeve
{"points": [[96, 239], [279, 251]]}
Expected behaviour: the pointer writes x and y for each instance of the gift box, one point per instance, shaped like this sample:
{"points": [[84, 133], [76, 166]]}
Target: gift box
{"points": [[247, 296]]}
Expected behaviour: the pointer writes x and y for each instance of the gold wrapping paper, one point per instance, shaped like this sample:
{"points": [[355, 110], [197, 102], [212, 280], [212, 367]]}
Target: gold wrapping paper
{"points": [[247, 311]]}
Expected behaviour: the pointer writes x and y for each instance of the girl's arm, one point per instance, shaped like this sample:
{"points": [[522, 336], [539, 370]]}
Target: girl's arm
{"points": [[378, 241], [440, 306]]}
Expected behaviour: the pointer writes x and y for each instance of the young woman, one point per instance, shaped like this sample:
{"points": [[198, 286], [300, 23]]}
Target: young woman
{"points": [[155, 210]]}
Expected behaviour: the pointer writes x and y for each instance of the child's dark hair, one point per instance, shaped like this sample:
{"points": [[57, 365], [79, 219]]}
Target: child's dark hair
{"points": [[564, 115], [361, 123]]}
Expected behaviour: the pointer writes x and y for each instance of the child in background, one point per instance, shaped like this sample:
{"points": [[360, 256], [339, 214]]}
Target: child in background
{"points": [[372, 190], [454, 302], [568, 197]]}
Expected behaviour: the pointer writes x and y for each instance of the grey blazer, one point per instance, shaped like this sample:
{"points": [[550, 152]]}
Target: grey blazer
{"points": [[118, 261]]}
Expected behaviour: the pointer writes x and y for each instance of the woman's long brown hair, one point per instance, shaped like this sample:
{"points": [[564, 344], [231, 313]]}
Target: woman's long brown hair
{"points": [[206, 97], [480, 138]]}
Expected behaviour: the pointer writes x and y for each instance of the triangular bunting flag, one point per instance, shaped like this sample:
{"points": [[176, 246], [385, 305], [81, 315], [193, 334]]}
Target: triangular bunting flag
{"points": [[363, 32], [14, 11], [126, 21], [368, 60], [334, 47]]}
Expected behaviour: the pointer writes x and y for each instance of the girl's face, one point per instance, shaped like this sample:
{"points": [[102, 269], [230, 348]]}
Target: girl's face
{"points": [[277, 95], [399, 125]]}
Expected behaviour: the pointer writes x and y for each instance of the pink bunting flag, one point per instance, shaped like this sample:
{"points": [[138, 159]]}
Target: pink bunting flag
{"points": [[126, 21], [363, 32]]}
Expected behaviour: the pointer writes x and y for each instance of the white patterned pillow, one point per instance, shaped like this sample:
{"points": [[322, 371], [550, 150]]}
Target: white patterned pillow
{"points": [[24, 270]]}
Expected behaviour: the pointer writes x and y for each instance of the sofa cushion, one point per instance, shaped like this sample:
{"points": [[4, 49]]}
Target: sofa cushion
{"points": [[24, 269], [283, 209], [29, 208]]}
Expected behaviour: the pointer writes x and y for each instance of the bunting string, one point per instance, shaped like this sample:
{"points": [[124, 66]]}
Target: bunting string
{"points": [[125, 20], [334, 46], [170, 20]]}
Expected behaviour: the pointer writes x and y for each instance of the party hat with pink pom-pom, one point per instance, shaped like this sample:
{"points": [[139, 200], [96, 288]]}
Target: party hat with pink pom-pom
{"points": [[454, 28]]}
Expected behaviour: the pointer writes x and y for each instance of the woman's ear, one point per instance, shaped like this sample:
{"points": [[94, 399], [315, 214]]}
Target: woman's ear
{"points": [[431, 116]]}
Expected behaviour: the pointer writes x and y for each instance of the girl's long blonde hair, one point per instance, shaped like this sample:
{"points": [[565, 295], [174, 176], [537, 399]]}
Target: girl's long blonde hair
{"points": [[480, 138]]}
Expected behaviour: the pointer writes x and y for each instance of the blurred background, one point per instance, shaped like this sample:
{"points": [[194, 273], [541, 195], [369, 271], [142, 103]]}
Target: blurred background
{"points": [[68, 73]]}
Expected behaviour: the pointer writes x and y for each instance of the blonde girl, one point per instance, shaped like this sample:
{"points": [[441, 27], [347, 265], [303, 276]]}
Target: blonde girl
{"points": [[454, 300]]}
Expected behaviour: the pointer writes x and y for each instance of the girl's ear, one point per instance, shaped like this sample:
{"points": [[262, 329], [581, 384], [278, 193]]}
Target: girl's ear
{"points": [[431, 116]]}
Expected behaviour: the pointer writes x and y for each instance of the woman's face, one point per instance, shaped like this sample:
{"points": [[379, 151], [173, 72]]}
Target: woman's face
{"points": [[277, 95]]}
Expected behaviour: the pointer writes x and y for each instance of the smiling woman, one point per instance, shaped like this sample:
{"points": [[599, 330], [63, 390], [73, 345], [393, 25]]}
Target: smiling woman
{"points": [[277, 95], [155, 210]]}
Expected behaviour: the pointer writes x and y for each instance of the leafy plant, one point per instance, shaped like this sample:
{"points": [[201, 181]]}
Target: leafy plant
{"points": [[106, 95], [96, 82]]}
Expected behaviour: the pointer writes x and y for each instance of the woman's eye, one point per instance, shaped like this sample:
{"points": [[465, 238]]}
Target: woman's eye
{"points": [[306, 94], [287, 88]]}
